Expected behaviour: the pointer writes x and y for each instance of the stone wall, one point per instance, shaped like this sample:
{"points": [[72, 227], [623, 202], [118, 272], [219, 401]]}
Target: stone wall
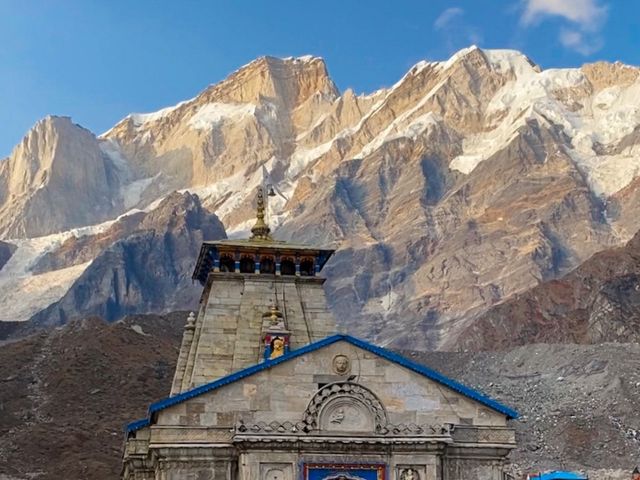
{"points": [[228, 330], [283, 392]]}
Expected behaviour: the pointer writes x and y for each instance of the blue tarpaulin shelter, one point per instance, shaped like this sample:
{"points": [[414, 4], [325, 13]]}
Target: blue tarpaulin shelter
{"points": [[558, 475]]}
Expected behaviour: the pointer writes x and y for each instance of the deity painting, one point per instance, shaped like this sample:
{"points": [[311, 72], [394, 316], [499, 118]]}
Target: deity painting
{"points": [[277, 347], [344, 472]]}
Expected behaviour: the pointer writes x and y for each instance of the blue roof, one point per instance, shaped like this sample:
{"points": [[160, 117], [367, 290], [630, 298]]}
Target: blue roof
{"points": [[560, 475], [387, 354]]}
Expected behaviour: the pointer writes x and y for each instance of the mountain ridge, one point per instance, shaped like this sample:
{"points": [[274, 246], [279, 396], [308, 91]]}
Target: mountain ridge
{"points": [[464, 183]]}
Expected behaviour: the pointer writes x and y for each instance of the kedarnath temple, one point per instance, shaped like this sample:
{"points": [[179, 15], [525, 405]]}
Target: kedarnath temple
{"points": [[264, 388]]}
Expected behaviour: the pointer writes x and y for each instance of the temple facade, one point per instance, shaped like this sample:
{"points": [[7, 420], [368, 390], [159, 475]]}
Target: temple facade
{"points": [[265, 389]]}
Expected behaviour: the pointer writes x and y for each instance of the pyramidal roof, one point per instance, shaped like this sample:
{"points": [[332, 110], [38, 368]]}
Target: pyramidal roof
{"points": [[382, 352]]}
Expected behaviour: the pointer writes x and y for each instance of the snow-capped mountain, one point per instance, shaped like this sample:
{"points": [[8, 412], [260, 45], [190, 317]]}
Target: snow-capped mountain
{"points": [[465, 182]]}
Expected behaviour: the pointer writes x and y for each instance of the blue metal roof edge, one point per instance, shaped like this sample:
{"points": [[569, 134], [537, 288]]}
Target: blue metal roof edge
{"points": [[137, 425], [393, 357]]}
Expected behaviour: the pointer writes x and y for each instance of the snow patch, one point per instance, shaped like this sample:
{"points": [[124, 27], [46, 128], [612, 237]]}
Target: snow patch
{"points": [[132, 193], [112, 150], [459, 55], [302, 59], [466, 163], [302, 157], [18, 283], [138, 329], [139, 119], [214, 114], [412, 131], [608, 174], [505, 61]]}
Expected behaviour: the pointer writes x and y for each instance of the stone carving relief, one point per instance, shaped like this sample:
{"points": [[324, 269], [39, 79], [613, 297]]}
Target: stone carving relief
{"points": [[344, 406], [341, 365], [409, 474], [337, 417], [275, 472], [346, 414]]}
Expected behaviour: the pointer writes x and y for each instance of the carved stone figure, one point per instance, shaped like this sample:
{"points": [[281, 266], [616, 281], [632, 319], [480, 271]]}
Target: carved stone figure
{"points": [[275, 474], [337, 416], [341, 364], [409, 474]]}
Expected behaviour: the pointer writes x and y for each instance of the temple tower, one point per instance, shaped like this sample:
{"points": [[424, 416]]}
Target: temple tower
{"points": [[263, 392], [261, 298]]}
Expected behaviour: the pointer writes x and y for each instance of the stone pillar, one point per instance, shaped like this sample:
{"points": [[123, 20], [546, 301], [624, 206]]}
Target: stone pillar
{"points": [[193, 348], [187, 340]]}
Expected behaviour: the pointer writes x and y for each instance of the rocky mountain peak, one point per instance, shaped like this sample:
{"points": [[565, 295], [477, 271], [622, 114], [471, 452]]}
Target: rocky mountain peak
{"points": [[462, 184], [56, 178], [183, 211], [289, 81], [605, 74]]}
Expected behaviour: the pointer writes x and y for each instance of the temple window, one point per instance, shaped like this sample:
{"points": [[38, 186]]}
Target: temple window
{"points": [[247, 264], [227, 264], [267, 265], [287, 266], [307, 267]]}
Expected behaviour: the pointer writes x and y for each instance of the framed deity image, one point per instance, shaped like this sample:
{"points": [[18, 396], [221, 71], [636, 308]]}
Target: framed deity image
{"points": [[337, 471]]}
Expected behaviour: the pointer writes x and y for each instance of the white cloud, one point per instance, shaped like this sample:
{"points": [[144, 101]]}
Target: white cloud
{"points": [[446, 16], [455, 31], [585, 16], [577, 41], [586, 13]]}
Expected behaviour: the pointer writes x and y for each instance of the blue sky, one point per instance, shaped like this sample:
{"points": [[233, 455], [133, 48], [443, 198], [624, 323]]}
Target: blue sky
{"points": [[97, 61]]}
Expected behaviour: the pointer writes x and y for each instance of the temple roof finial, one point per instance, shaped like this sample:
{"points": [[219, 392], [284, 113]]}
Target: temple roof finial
{"points": [[260, 231]]}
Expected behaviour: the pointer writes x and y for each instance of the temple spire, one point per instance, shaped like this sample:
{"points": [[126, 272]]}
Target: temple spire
{"points": [[260, 231]]}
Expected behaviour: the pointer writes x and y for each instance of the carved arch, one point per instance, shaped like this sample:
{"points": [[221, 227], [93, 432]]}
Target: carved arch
{"points": [[333, 396]]}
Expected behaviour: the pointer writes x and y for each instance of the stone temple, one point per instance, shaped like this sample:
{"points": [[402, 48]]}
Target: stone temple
{"points": [[264, 388]]}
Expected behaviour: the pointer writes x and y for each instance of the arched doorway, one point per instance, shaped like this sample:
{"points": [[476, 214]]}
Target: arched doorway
{"points": [[267, 265], [307, 267], [247, 264], [287, 266]]}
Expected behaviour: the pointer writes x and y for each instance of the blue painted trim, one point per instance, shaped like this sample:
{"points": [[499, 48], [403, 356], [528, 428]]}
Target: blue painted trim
{"points": [[392, 357], [137, 425]]}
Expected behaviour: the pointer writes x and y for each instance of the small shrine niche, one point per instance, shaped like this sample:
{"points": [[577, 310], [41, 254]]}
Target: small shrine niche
{"points": [[276, 335]]}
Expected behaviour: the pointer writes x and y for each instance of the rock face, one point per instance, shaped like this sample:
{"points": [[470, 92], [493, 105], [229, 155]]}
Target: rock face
{"points": [[6, 250], [147, 269], [56, 178], [578, 404], [597, 302], [466, 182]]}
